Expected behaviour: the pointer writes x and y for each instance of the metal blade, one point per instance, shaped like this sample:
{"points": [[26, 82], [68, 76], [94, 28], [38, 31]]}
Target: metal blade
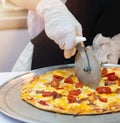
{"points": [[87, 67]]}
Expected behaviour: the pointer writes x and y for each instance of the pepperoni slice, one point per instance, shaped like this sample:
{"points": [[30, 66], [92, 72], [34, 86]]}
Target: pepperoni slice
{"points": [[51, 94], [57, 77], [55, 84], [79, 85], [69, 80], [71, 99], [103, 90], [111, 76], [74, 92], [42, 102], [104, 71], [47, 94]]}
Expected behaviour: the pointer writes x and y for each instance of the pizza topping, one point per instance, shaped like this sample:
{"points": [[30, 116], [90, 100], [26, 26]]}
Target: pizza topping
{"points": [[52, 94], [74, 92], [110, 83], [118, 82], [71, 99], [102, 99], [42, 102], [111, 76], [79, 85], [56, 95], [91, 102], [83, 99], [104, 71], [57, 77], [47, 94], [103, 90], [55, 84], [118, 91], [39, 91], [69, 80], [59, 88], [93, 95]]}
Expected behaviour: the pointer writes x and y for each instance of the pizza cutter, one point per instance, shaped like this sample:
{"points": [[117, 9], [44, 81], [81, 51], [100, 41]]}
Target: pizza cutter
{"points": [[87, 67]]}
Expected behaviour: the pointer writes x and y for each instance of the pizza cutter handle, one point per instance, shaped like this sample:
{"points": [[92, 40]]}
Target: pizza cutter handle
{"points": [[80, 40], [81, 46]]}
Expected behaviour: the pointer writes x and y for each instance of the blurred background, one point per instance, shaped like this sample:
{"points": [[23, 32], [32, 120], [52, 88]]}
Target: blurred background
{"points": [[13, 36]]}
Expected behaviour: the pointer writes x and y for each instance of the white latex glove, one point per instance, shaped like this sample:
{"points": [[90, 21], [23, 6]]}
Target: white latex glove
{"points": [[35, 23], [60, 25], [106, 49]]}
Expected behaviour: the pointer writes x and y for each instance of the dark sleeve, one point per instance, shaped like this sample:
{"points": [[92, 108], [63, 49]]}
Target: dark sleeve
{"points": [[47, 53], [92, 16], [109, 22]]}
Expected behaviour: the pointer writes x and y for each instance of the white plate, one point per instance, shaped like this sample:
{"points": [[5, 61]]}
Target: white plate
{"points": [[13, 106]]}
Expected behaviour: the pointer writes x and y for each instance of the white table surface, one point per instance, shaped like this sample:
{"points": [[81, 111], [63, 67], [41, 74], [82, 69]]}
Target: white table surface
{"points": [[4, 77]]}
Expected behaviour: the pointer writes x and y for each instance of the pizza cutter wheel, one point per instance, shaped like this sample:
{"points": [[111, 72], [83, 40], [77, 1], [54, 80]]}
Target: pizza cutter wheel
{"points": [[87, 67]]}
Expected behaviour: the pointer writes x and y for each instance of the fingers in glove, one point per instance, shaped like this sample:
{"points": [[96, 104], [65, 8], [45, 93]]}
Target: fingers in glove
{"points": [[69, 53]]}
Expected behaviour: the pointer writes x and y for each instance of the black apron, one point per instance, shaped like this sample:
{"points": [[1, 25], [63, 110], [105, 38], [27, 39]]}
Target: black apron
{"points": [[95, 16]]}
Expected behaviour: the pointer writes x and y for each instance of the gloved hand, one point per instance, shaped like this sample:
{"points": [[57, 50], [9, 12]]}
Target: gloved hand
{"points": [[106, 49], [35, 23], [60, 25]]}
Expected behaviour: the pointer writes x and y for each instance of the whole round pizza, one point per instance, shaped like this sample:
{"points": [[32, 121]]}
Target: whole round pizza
{"points": [[60, 91]]}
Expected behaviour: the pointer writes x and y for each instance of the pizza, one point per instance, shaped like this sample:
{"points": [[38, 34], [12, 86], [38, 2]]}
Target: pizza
{"points": [[60, 91]]}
